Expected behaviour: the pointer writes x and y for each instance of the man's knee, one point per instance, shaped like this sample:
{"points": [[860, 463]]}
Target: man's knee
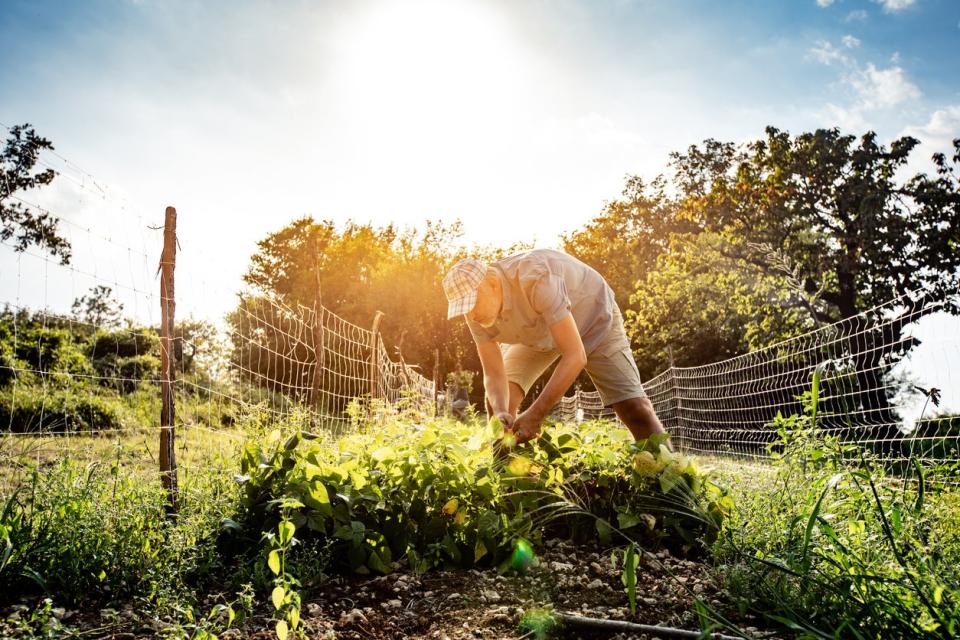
{"points": [[636, 408]]}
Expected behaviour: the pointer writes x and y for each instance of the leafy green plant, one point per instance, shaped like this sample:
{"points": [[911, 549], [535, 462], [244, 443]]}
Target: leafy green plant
{"points": [[433, 493], [285, 595], [836, 547]]}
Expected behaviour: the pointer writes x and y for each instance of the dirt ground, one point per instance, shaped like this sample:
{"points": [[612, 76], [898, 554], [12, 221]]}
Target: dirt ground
{"points": [[451, 605]]}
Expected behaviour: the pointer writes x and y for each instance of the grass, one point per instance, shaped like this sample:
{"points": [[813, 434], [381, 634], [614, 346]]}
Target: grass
{"points": [[822, 542], [829, 544]]}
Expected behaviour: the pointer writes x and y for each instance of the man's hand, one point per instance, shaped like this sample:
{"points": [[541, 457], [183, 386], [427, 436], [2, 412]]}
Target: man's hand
{"points": [[527, 427], [506, 419]]}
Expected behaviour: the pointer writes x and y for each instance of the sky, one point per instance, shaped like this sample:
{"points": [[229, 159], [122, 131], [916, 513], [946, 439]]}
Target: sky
{"points": [[520, 118]]}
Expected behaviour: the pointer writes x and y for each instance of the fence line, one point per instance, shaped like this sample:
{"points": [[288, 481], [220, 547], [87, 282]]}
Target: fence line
{"points": [[309, 365], [91, 386], [727, 407]]}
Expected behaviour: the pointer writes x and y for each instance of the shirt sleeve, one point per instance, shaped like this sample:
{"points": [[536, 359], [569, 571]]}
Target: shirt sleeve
{"points": [[549, 298]]}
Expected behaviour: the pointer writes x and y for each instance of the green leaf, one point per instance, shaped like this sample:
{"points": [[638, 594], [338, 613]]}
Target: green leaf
{"points": [[318, 498], [293, 615], [479, 550], [277, 596], [808, 531], [382, 454], [358, 531], [604, 531], [815, 393], [375, 562], [230, 525], [625, 519], [287, 530], [629, 577], [273, 561]]}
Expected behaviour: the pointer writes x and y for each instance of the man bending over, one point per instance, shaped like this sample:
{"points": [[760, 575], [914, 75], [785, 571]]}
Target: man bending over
{"points": [[529, 309]]}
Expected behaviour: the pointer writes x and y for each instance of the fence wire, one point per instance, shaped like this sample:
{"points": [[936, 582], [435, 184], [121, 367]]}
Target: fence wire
{"points": [[89, 384], [867, 394], [83, 383]]}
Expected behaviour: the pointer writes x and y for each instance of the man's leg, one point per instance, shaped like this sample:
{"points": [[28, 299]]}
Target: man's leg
{"points": [[615, 375], [639, 416]]}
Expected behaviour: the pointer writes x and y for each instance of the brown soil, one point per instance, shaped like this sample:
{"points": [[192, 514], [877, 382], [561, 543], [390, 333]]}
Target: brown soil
{"points": [[476, 604]]}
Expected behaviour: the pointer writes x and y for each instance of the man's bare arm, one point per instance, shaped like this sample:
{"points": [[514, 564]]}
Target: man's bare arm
{"points": [[494, 377], [573, 359]]}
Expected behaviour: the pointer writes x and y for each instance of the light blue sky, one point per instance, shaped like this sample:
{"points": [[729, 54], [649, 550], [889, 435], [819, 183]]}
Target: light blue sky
{"points": [[520, 118]]}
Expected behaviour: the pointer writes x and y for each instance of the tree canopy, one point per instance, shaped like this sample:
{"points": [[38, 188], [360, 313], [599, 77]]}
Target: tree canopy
{"points": [[19, 222], [355, 270], [821, 224]]}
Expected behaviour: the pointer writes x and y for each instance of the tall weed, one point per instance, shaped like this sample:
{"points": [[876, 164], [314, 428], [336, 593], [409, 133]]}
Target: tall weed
{"points": [[837, 548]]}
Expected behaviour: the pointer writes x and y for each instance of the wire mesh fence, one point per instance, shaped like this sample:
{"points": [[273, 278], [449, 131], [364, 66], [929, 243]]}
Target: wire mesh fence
{"points": [[80, 347], [75, 375], [868, 394]]}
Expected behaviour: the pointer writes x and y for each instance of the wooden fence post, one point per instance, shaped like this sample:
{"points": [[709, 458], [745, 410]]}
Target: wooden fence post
{"points": [[318, 337], [316, 388], [374, 352], [168, 371], [436, 381]]}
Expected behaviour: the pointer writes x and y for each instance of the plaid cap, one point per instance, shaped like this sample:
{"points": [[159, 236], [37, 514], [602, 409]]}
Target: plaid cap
{"points": [[460, 286]]}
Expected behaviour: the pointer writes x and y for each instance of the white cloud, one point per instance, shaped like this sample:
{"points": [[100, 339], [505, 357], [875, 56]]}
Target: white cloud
{"points": [[869, 88], [846, 118], [850, 42], [826, 53], [824, 3], [892, 6], [858, 15], [938, 133], [880, 88], [935, 136]]}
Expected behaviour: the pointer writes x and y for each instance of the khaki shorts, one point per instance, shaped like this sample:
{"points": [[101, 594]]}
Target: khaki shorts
{"points": [[610, 366]]}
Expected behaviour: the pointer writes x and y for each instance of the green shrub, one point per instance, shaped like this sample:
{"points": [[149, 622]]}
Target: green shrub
{"points": [[838, 548], [124, 343], [51, 350], [127, 373], [434, 493], [8, 364], [27, 409], [95, 533]]}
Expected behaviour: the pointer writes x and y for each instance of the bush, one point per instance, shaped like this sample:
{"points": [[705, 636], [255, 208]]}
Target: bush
{"points": [[434, 493], [838, 548], [8, 365], [51, 350], [124, 343], [28, 409], [96, 533], [126, 374]]}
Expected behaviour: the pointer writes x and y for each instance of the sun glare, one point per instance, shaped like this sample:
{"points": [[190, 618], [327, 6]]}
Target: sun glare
{"points": [[419, 76]]}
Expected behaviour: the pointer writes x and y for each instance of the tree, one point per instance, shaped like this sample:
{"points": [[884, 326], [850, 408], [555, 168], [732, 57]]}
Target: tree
{"points": [[98, 308], [355, 271], [850, 231], [19, 221], [840, 209], [624, 241], [705, 306]]}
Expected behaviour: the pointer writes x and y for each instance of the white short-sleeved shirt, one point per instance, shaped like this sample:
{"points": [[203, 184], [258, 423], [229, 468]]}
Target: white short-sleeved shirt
{"points": [[542, 287]]}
